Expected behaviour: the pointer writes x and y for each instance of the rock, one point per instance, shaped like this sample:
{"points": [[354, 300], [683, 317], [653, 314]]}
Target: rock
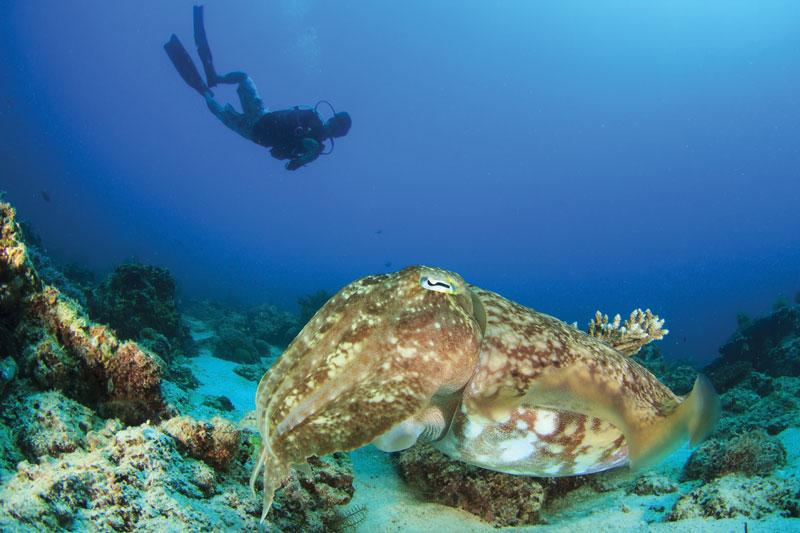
{"points": [[501, 499], [220, 403], [50, 424], [251, 372], [233, 345], [734, 495], [134, 297], [651, 484], [753, 453], [215, 442]]}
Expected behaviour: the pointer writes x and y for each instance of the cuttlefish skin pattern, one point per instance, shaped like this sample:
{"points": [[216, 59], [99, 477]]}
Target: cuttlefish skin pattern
{"points": [[379, 351], [420, 354]]}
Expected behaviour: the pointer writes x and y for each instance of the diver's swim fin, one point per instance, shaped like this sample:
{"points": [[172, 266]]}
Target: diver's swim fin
{"points": [[184, 65], [203, 50]]}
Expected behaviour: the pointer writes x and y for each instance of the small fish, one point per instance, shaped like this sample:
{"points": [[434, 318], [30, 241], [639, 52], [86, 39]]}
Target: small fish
{"points": [[45, 196]]}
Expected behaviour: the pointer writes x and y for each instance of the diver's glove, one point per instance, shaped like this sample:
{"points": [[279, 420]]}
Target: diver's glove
{"points": [[293, 164]]}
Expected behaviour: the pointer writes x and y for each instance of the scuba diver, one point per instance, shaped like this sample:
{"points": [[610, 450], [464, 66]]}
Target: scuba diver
{"points": [[296, 134]]}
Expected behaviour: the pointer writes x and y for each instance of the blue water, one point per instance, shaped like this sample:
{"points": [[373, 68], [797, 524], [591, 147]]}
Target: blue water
{"points": [[568, 155]]}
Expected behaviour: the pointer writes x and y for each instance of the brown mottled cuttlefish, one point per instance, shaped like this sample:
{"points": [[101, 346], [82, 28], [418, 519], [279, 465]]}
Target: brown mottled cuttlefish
{"points": [[421, 355]]}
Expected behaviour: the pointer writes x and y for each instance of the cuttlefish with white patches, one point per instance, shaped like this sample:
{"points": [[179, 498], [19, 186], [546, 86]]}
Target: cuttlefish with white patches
{"points": [[420, 355]]}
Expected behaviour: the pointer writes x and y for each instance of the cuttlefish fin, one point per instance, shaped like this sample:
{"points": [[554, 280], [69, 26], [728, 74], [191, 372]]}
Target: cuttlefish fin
{"points": [[654, 423], [694, 418]]}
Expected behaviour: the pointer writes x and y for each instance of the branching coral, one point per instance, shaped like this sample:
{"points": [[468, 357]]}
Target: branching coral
{"points": [[628, 337]]}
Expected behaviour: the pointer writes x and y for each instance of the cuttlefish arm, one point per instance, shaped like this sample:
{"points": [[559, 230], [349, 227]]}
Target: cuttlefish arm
{"points": [[529, 358], [386, 358]]}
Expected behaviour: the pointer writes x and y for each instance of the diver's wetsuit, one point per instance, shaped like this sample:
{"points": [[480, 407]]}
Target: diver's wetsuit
{"points": [[295, 134], [291, 133]]}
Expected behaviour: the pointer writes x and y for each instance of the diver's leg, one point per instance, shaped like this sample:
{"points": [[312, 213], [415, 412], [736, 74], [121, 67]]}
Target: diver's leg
{"points": [[238, 122], [252, 106]]}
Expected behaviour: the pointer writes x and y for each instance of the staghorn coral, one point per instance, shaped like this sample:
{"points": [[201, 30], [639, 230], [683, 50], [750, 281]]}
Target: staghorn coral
{"points": [[628, 337]]}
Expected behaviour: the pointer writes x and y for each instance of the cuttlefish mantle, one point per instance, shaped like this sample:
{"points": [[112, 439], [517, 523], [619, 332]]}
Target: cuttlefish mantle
{"points": [[420, 355]]}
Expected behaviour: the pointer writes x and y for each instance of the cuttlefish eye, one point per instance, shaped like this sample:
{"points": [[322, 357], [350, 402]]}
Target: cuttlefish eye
{"points": [[438, 285]]}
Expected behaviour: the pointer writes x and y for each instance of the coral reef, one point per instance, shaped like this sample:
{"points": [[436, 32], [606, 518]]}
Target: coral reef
{"points": [[69, 387], [768, 344], [17, 275], [66, 469]]}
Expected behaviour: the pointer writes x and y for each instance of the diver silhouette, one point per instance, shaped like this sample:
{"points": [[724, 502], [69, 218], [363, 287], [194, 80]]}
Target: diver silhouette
{"points": [[296, 134]]}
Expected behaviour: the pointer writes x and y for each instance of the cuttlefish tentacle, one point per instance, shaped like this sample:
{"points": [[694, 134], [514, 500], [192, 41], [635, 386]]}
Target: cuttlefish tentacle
{"points": [[362, 366]]}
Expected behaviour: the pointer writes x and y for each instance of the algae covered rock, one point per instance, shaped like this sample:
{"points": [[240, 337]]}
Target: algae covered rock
{"points": [[215, 442], [120, 379], [308, 502]]}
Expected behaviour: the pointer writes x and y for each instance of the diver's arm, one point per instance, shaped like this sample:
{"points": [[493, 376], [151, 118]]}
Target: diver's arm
{"points": [[308, 152]]}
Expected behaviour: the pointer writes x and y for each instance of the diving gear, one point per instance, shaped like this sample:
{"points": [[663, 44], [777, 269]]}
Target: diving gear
{"points": [[184, 65], [203, 50]]}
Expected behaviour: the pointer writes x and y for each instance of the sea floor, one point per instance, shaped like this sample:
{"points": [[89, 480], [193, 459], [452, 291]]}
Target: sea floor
{"points": [[393, 506]]}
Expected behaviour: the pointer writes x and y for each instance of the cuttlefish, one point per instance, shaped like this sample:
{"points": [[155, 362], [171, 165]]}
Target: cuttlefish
{"points": [[419, 355]]}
